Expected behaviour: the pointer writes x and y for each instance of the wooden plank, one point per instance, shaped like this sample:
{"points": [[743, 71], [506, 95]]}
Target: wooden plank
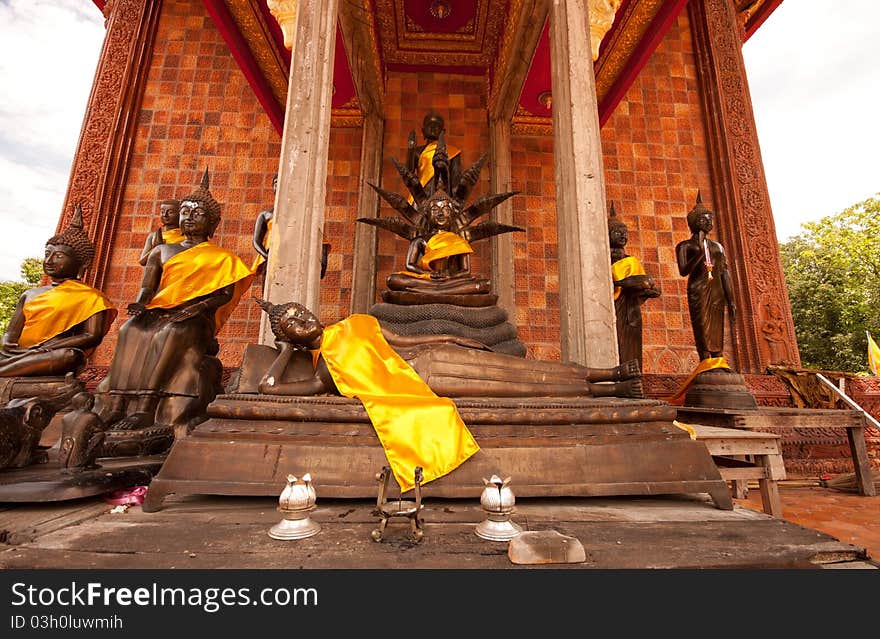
{"points": [[859, 451]]}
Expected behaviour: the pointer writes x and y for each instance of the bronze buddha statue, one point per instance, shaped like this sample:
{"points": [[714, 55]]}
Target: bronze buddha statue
{"points": [[55, 327], [164, 370]]}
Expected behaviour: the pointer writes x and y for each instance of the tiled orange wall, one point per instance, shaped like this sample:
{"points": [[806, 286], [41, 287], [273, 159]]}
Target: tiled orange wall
{"points": [[535, 252], [461, 100], [655, 159], [199, 111], [343, 175]]}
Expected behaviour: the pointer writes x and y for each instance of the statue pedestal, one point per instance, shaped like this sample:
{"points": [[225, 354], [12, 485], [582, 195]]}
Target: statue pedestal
{"points": [[551, 447], [719, 388], [47, 483]]}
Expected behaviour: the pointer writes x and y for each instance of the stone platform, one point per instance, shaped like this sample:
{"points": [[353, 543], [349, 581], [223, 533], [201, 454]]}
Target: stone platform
{"points": [[48, 483], [551, 447]]}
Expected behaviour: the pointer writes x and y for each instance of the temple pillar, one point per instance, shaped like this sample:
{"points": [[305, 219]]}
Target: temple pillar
{"points": [[764, 330], [363, 285], [587, 319], [358, 31], [101, 161], [293, 271]]}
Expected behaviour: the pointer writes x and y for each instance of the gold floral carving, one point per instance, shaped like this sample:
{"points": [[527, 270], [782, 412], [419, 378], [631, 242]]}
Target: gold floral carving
{"points": [[285, 13], [100, 164], [742, 198], [524, 123], [601, 18], [475, 45], [637, 16], [252, 25]]}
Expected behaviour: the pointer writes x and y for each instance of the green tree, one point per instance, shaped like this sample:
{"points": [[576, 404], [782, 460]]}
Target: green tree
{"points": [[31, 273], [832, 269]]}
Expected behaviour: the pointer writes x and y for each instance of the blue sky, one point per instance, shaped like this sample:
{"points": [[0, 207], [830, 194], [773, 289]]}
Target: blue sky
{"points": [[812, 69]]}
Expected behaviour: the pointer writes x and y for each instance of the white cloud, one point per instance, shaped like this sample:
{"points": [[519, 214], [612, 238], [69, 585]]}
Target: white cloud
{"points": [[48, 53], [815, 84]]}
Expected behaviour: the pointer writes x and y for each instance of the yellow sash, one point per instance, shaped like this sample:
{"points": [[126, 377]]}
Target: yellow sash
{"points": [[201, 270], [426, 161], [624, 268], [706, 365], [444, 244], [60, 308], [415, 427], [172, 236]]}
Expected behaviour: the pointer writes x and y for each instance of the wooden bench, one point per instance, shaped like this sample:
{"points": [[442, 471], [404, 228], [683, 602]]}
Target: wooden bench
{"points": [[743, 455], [763, 418]]}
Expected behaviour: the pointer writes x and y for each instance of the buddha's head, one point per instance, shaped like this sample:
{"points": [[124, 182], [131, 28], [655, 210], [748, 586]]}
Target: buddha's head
{"points": [[199, 211], [293, 323], [700, 218], [70, 252], [432, 126], [618, 234], [169, 213]]}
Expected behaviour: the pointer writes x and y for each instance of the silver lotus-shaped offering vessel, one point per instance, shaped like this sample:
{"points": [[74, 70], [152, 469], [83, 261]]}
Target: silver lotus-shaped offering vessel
{"points": [[297, 500], [497, 501]]}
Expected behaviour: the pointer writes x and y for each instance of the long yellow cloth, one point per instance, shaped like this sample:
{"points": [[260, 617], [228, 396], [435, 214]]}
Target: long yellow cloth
{"points": [[201, 270], [624, 268], [707, 364], [60, 308], [443, 244], [426, 161], [414, 425]]}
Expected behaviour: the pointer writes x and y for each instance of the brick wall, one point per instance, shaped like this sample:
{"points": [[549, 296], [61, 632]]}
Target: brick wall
{"points": [[656, 158], [199, 111]]}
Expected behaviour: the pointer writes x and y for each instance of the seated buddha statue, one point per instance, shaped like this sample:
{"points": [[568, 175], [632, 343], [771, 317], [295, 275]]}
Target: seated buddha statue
{"points": [[164, 370], [54, 328], [440, 230]]}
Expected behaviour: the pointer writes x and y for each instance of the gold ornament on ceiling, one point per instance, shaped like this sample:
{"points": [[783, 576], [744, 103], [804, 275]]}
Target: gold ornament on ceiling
{"points": [[440, 9], [285, 13], [602, 14]]}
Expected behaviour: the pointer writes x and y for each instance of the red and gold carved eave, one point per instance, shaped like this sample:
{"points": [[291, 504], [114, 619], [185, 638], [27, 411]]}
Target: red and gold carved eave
{"points": [[639, 27], [256, 42]]}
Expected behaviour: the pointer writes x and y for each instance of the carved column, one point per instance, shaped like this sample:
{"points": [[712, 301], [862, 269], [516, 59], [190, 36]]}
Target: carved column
{"points": [[100, 165], [363, 285], [764, 329], [586, 297], [358, 31], [293, 271]]}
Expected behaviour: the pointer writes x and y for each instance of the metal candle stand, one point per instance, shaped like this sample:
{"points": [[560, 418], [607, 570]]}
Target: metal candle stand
{"points": [[399, 507], [297, 500], [497, 501]]}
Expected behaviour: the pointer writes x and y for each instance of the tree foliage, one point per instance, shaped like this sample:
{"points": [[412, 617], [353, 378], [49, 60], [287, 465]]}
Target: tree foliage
{"points": [[832, 269], [31, 273]]}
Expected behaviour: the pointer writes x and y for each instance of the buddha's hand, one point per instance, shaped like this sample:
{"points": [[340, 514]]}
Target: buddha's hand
{"points": [[135, 308], [158, 238], [185, 313], [411, 140]]}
